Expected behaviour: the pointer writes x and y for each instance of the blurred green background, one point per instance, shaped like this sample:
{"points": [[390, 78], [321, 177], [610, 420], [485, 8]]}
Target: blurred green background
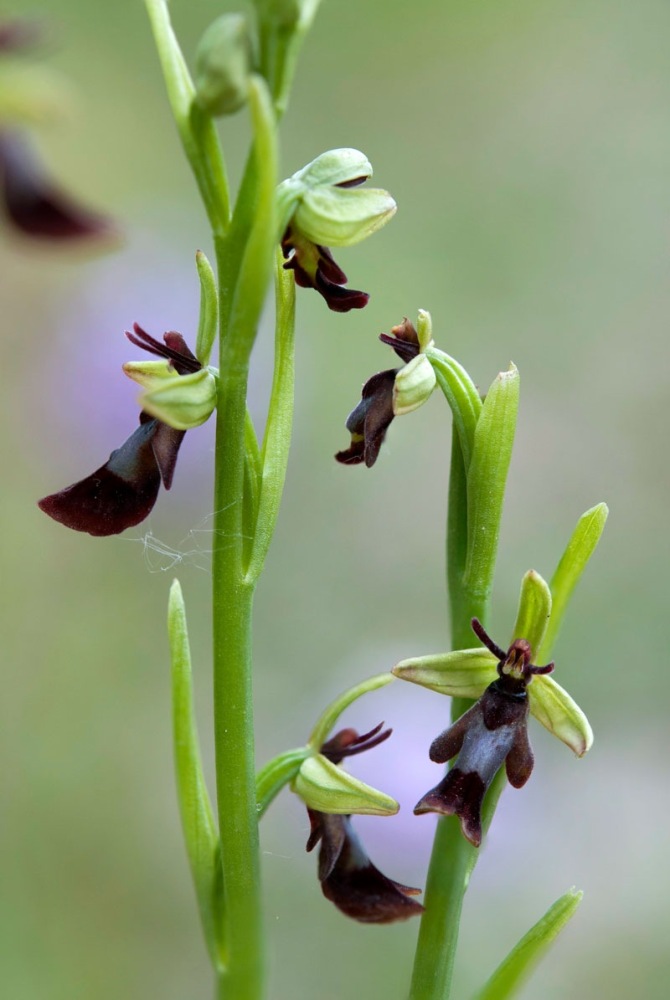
{"points": [[527, 145]]}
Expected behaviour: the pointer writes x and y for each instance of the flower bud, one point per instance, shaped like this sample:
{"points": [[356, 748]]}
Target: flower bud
{"points": [[326, 788], [182, 402], [413, 385], [340, 217], [222, 61]]}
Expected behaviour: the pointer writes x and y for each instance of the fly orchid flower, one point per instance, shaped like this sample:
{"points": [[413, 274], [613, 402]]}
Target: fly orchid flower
{"points": [[392, 392], [122, 492], [347, 876], [323, 206], [494, 731]]}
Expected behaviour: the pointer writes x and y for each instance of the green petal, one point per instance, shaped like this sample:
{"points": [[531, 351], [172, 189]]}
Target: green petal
{"points": [[555, 709], [465, 673], [325, 787]]}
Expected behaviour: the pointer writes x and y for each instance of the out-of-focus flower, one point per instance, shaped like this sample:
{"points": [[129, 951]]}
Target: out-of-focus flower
{"points": [[123, 491], [322, 206], [30, 201], [347, 876], [391, 393]]}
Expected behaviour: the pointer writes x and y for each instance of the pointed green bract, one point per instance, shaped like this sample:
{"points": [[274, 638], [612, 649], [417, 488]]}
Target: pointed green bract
{"points": [[465, 673], [326, 787], [197, 816], [560, 714], [209, 309], [534, 610], [572, 564], [512, 972], [487, 477]]}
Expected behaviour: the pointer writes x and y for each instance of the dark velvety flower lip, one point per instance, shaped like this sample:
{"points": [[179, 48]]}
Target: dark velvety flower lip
{"points": [[460, 794], [37, 207], [314, 267], [350, 880], [122, 492], [369, 421]]}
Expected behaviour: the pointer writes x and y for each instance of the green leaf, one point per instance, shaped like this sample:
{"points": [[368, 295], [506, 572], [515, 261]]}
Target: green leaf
{"points": [[572, 564], [209, 309], [534, 610], [332, 713], [513, 971], [277, 773], [197, 817], [487, 476]]}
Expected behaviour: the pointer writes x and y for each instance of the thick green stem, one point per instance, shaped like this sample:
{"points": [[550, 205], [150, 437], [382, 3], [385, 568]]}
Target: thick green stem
{"points": [[478, 474], [243, 262]]}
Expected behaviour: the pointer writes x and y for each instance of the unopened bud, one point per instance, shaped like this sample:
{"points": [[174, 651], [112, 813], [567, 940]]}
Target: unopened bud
{"points": [[222, 61]]}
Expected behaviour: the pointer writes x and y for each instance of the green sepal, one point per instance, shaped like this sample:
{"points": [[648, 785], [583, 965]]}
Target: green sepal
{"points": [[560, 714], [150, 374], [534, 610], [183, 402], [572, 564], [487, 477], [209, 309], [517, 966], [341, 217], [223, 65], [465, 673], [413, 385], [197, 816], [331, 714], [327, 788], [276, 774], [335, 166]]}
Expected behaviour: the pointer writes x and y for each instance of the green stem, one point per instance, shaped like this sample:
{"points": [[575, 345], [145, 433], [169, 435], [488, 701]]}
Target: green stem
{"points": [[243, 262]]}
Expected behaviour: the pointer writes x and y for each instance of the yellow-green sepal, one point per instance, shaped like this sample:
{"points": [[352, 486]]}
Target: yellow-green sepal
{"points": [[560, 714], [326, 788], [183, 402], [465, 673]]}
